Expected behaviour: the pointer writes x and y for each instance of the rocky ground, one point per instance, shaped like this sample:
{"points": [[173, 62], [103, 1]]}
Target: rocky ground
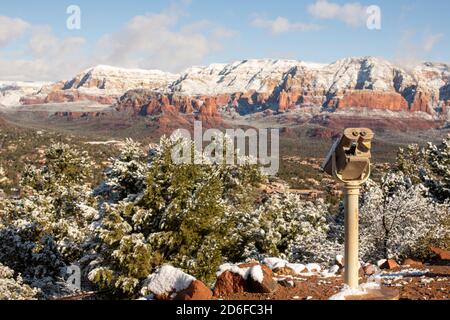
{"points": [[430, 282]]}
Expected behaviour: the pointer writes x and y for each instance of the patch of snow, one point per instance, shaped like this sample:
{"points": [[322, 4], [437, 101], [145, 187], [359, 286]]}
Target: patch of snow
{"points": [[332, 271], [256, 274], [340, 259], [390, 277], [313, 267], [362, 290], [381, 262], [274, 263], [297, 267], [168, 280], [234, 268]]}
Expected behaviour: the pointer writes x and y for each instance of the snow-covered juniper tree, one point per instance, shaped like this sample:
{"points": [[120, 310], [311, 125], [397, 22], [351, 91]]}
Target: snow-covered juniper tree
{"points": [[12, 286], [183, 215], [44, 229], [437, 177], [399, 219], [429, 165], [126, 175], [286, 226]]}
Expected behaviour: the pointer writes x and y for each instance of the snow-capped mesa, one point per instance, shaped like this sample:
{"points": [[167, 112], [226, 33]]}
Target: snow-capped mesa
{"points": [[263, 76], [118, 80], [251, 86], [12, 91], [240, 76]]}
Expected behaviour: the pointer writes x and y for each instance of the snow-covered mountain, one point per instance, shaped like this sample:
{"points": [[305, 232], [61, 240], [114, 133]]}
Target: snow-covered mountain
{"points": [[255, 85], [118, 80], [102, 84], [261, 76], [12, 91]]}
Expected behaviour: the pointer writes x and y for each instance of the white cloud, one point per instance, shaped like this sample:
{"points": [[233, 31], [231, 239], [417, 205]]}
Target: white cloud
{"points": [[282, 25], [415, 47], [431, 40], [11, 29], [150, 41], [44, 56], [154, 40], [353, 14]]}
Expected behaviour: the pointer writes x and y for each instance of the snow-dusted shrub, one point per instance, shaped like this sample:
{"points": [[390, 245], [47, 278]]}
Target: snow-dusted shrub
{"points": [[13, 288], [289, 227], [126, 176], [183, 216], [437, 177], [45, 229], [429, 166], [399, 219]]}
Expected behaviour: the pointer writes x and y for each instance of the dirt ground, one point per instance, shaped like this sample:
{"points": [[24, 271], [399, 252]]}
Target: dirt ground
{"points": [[431, 282]]}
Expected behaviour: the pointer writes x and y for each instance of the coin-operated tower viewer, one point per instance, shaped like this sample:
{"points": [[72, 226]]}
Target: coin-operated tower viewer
{"points": [[349, 162]]}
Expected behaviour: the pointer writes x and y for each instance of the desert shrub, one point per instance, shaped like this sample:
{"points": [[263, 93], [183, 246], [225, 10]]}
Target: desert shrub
{"points": [[12, 287], [429, 166], [183, 215], [399, 219], [286, 226], [126, 175], [45, 229]]}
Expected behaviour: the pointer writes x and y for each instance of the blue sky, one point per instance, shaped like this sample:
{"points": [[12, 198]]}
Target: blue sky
{"points": [[172, 35]]}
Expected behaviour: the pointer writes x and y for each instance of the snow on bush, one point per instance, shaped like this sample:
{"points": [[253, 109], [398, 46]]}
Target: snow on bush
{"points": [[399, 219], [183, 215], [288, 227], [429, 166], [13, 288], [45, 229], [126, 176]]}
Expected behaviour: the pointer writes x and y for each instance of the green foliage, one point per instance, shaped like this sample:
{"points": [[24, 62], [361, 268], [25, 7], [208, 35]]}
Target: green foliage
{"points": [[183, 216], [126, 176], [12, 287], [399, 219], [285, 226], [429, 165], [45, 229]]}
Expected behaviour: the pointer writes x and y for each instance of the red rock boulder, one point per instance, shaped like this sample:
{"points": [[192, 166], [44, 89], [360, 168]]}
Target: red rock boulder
{"points": [[197, 290], [442, 254], [412, 263], [229, 283], [390, 264]]}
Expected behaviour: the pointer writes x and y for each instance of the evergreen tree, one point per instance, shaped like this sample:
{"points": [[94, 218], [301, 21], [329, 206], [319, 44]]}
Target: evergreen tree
{"points": [[286, 226], [12, 287], [437, 175], [399, 219], [126, 176], [183, 215], [44, 230], [429, 166]]}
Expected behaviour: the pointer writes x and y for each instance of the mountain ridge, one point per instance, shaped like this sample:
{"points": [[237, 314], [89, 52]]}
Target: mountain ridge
{"points": [[266, 86]]}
